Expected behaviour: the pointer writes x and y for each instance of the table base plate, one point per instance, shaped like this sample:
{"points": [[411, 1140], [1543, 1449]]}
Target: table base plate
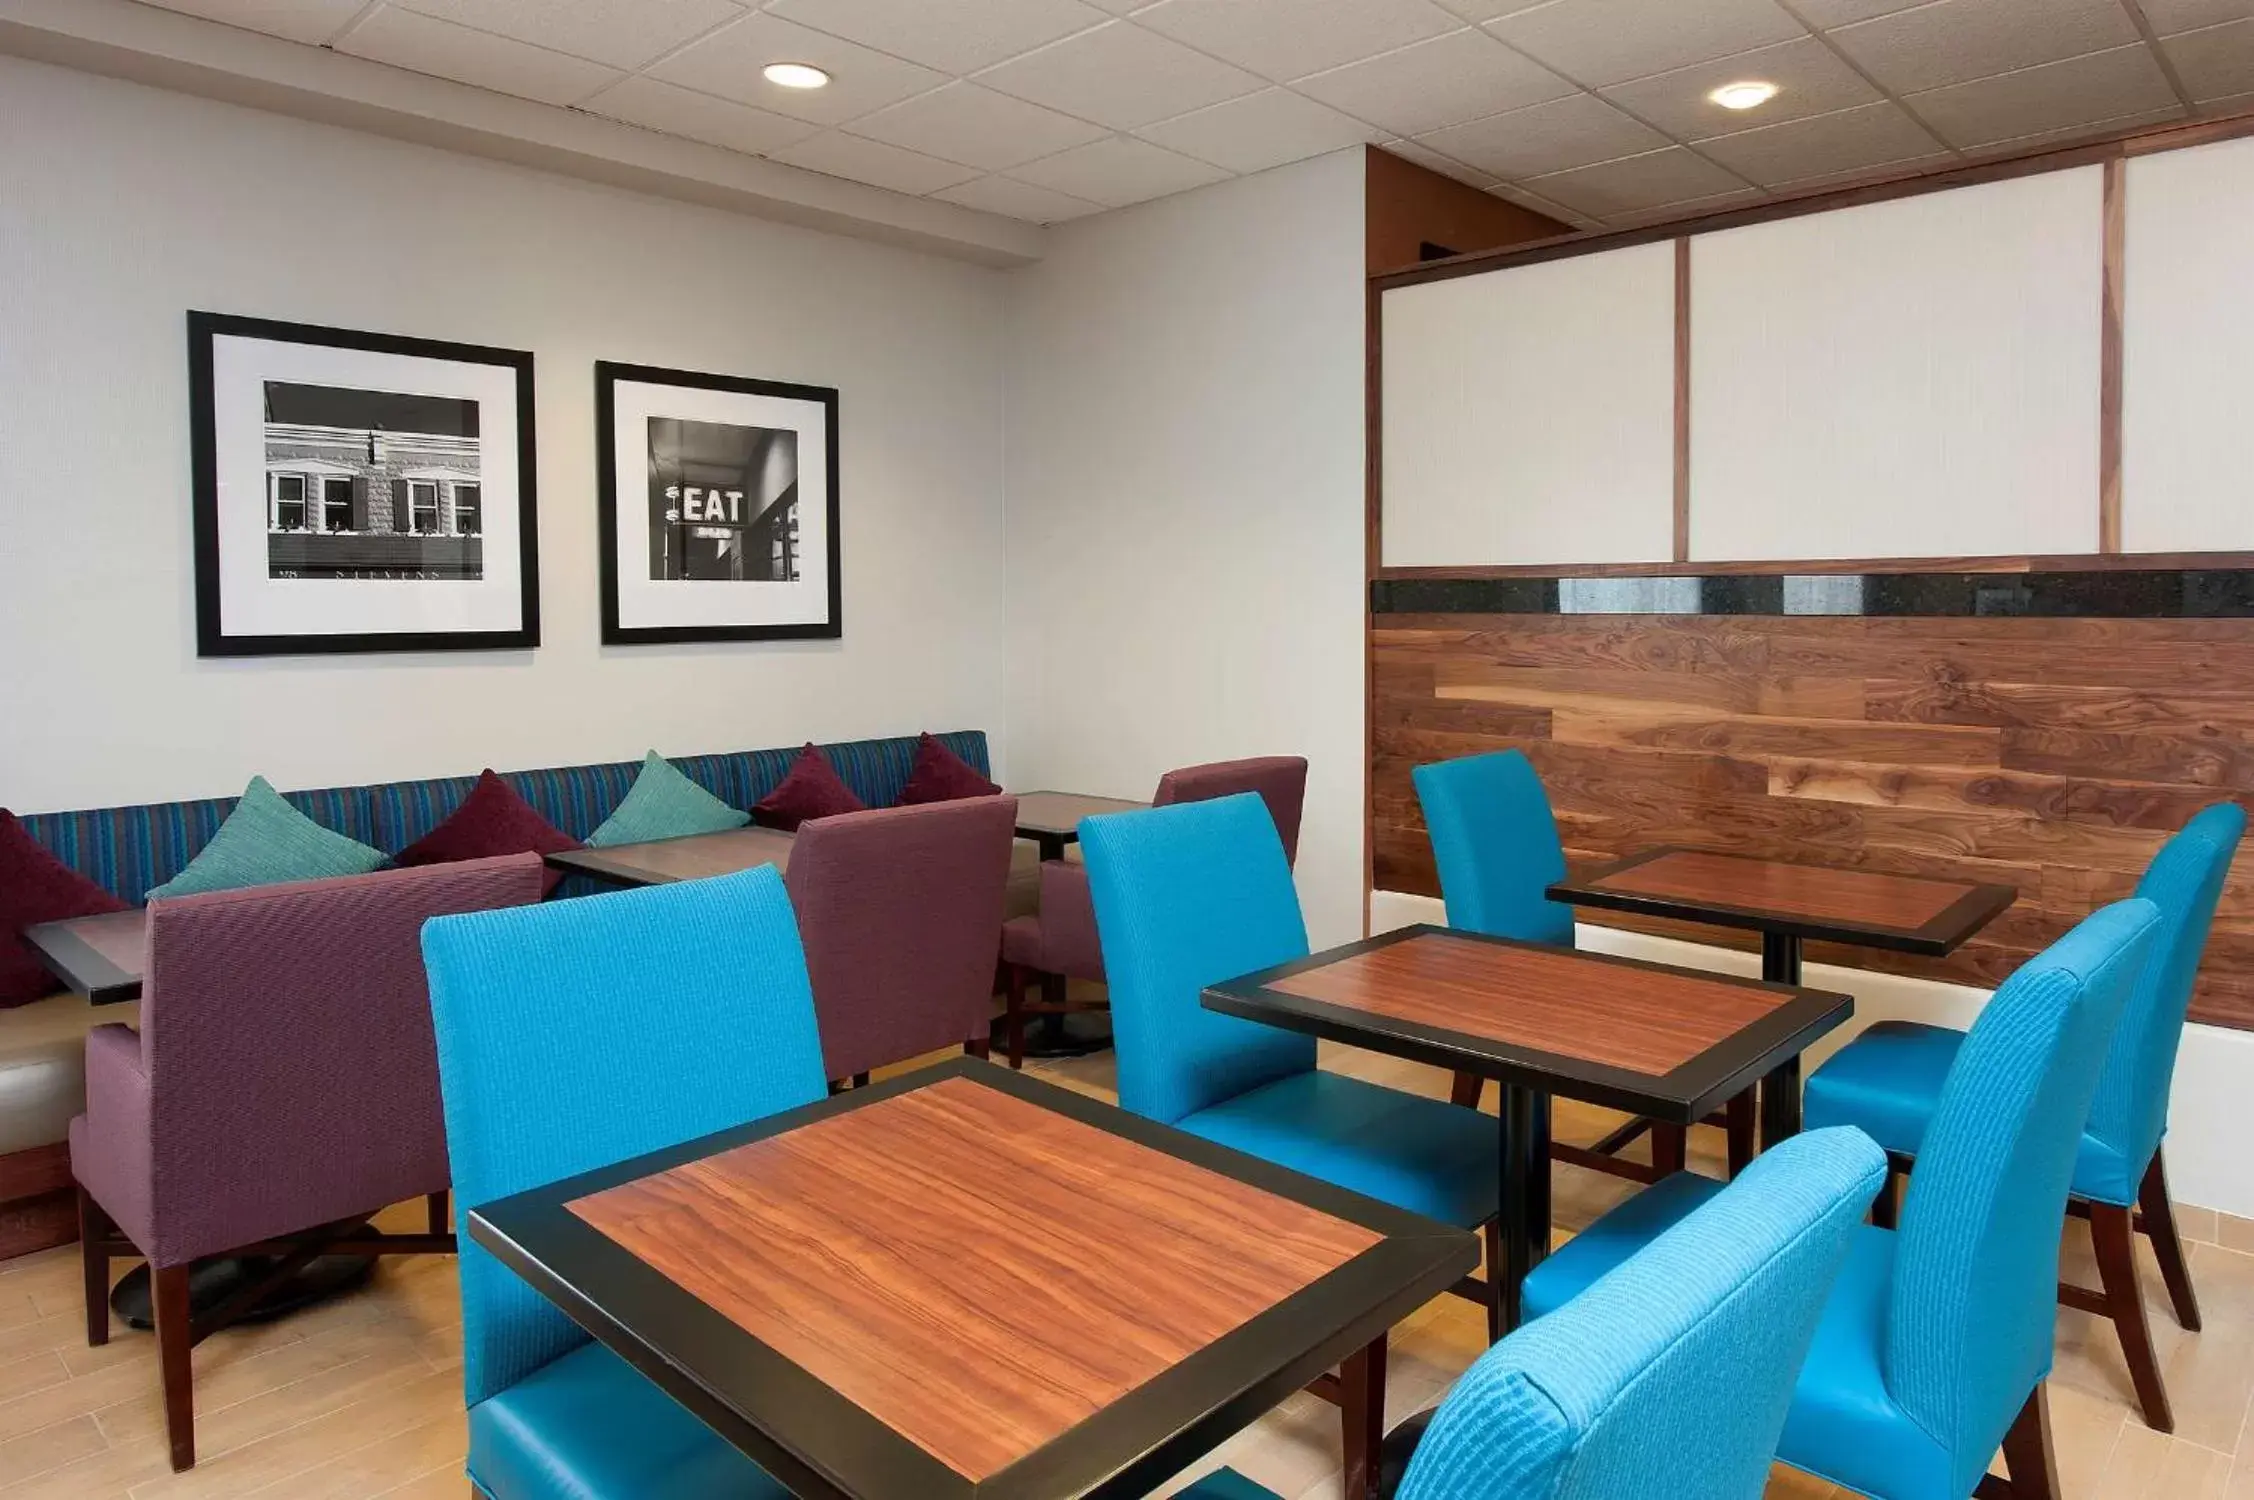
{"points": [[1075, 1035], [214, 1281]]}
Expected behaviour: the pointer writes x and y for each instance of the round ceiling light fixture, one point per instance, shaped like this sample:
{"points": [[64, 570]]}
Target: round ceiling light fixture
{"points": [[792, 75], [1750, 94]]}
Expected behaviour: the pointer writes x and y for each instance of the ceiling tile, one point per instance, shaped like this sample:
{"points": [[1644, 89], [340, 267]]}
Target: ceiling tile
{"points": [[1955, 41], [2055, 96], [1826, 13], [957, 36], [1118, 171], [1636, 183], [1120, 75], [2214, 63], [623, 36], [1907, 167], [874, 162], [700, 117], [1261, 131], [2017, 145], [1598, 42], [2231, 105], [1017, 200], [310, 21], [977, 127], [728, 63], [1810, 80], [1687, 208], [1288, 39], [427, 45], [1852, 140], [2171, 16], [1447, 80], [1511, 192], [1447, 166], [1569, 132]]}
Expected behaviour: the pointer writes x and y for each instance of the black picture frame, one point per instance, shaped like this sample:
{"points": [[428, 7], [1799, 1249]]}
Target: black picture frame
{"points": [[608, 375], [213, 639]]}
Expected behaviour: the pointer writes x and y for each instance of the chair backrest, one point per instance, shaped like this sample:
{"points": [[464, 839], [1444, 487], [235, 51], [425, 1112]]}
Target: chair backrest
{"points": [[286, 1032], [1672, 1374], [1281, 781], [2185, 880], [900, 909], [1187, 896], [580, 1033], [1495, 842], [1974, 1300]]}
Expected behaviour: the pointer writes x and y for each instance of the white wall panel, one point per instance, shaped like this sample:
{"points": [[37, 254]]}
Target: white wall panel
{"points": [[1916, 378], [1529, 414], [2187, 400]]}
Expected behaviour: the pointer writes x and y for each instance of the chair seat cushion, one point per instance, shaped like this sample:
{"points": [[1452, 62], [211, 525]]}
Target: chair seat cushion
{"points": [[1226, 1484], [1844, 1425], [588, 1426], [1424, 1155], [1887, 1081]]}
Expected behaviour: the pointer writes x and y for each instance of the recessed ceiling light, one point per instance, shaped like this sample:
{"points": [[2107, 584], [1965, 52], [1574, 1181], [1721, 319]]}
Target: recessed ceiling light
{"points": [[807, 76], [1748, 95]]}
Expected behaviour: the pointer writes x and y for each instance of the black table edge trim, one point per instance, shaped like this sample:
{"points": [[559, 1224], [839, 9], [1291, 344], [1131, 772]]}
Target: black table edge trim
{"points": [[79, 964]]}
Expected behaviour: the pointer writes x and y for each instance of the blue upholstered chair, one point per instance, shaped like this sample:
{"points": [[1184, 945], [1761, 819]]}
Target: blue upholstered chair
{"points": [[1889, 1078], [1192, 894], [1937, 1339], [1495, 843], [571, 1036], [1671, 1375]]}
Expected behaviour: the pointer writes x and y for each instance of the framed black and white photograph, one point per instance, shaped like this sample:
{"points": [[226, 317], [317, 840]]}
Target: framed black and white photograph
{"points": [[717, 500], [359, 491]]}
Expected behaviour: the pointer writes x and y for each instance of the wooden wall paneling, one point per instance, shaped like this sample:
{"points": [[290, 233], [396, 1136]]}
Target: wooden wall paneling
{"points": [[1406, 207], [2052, 755], [2109, 362]]}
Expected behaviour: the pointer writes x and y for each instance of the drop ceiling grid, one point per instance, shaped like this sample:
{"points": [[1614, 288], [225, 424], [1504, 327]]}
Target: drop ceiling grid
{"points": [[1049, 109]]}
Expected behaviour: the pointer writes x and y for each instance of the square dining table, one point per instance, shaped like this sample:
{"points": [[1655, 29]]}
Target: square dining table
{"points": [[1052, 819], [1787, 903], [962, 1282], [1660, 1042], [99, 957], [695, 857]]}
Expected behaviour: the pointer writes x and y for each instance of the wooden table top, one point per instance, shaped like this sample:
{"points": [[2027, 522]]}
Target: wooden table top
{"points": [[964, 1282], [697, 857], [1869, 908], [1650, 1038], [1057, 815], [99, 957]]}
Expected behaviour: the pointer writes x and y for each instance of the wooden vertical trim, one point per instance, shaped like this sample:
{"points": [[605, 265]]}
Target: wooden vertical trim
{"points": [[1682, 397], [2109, 362], [1373, 541]]}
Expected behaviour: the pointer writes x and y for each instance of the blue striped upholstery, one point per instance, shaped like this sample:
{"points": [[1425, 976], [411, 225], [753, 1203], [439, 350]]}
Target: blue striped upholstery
{"points": [[129, 850]]}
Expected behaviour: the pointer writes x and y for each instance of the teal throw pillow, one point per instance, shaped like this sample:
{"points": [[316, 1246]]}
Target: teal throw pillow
{"points": [[266, 841], [664, 804]]}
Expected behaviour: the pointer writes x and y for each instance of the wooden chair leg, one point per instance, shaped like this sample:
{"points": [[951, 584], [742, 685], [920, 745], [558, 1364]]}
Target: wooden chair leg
{"points": [[1886, 1208], [977, 1047], [1361, 1409], [1466, 1090], [1013, 1008], [2028, 1454], [168, 1294], [2112, 1232], [93, 1235], [1668, 1145], [1495, 1279], [1744, 1115], [438, 1208], [2167, 1247]]}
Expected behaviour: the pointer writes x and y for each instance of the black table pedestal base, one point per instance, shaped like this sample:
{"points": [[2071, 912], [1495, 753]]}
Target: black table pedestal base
{"points": [[1780, 1091], [1524, 1115], [1073, 1035], [213, 1281]]}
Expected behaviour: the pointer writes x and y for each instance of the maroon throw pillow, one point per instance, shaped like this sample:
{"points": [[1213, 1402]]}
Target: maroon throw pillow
{"points": [[940, 775], [813, 789], [492, 820], [36, 887]]}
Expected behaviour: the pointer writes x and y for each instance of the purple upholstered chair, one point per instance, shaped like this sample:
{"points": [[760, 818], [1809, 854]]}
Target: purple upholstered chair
{"points": [[899, 910], [283, 1087], [1058, 942]]}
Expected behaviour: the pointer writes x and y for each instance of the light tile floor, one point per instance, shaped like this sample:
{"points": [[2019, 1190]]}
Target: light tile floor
{"points": [[362, 1397]]}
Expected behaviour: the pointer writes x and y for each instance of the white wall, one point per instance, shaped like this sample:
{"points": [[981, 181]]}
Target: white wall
{"points": [[2207, 1160], [121, 207], [1186, 501]]}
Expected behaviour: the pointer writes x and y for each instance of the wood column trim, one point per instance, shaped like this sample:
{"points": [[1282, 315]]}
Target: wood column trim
{"points": [[2109, 361], [1682, 397]]}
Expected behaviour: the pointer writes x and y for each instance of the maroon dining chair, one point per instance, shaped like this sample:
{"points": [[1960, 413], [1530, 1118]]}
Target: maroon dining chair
{"points": [[283, 1087], [1058, 942], [899, 910]]}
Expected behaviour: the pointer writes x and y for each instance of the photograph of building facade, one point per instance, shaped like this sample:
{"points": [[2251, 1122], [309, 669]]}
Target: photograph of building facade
{"points": [[723, 502], [372, 484]]}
